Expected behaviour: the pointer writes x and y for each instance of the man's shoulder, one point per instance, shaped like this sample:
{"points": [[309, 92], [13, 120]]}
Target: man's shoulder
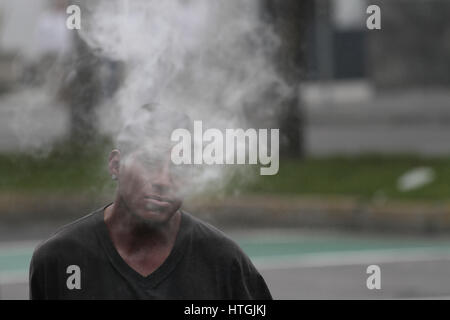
{"points": [[70, 238], [213, 240]]}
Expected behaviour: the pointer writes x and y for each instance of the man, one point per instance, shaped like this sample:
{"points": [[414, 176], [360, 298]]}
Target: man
{"points": [[143, 245]]}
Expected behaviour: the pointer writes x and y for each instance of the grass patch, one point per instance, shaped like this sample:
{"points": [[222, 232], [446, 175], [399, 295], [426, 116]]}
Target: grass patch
{"points": [[62, 171], [363, 176]]}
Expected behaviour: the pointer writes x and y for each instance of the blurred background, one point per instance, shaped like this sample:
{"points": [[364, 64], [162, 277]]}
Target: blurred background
{"points": [[365, 155]]}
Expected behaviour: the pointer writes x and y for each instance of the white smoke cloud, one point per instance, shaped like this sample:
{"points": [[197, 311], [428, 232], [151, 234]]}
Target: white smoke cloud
{"points": [[209, 59]]}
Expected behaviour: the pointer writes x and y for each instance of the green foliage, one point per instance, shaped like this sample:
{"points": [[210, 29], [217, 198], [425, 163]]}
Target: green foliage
{"points": [[67, 171], [364, 176]]}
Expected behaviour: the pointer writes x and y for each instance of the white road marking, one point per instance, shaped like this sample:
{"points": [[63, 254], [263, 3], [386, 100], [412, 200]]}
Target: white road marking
{"points": [[348, 258], [8, 246], [13, 277]]}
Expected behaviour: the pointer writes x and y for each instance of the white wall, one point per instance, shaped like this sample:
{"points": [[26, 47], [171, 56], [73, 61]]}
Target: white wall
{"points": [[349, 14], [18, 19]]}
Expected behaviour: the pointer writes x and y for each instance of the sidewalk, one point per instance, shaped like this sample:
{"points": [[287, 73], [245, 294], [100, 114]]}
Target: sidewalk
{"points": [[30, 120], [351, 118], [343, 118], [327, 212]]}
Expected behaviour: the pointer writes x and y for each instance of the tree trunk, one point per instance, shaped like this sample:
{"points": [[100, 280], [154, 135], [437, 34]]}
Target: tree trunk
{"points": [[289, 19]]}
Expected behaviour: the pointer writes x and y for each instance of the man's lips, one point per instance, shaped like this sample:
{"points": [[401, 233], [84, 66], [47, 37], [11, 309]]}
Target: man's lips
{"points": [[157, 198], [155, 202]]}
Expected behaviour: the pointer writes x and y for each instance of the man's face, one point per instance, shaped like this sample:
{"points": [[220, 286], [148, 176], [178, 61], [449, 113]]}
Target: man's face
{"points": [[149, 185]]}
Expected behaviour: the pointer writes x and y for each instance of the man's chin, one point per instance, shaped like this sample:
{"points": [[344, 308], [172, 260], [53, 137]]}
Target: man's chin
{"points": [[156, 216]]}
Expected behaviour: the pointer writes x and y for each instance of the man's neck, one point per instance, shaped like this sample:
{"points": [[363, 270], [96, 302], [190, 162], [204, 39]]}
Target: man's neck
{"points": [[131, 234]]}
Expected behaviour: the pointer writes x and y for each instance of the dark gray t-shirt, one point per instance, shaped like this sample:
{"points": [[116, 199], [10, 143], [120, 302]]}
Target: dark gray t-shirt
{"points": [[81, 262]]}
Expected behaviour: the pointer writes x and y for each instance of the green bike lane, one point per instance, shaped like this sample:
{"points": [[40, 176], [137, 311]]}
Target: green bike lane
{"points": [[276, 246]]}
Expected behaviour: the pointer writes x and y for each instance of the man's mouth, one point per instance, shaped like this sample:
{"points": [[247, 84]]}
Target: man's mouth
{"points": [[155, 202], [157, 198]]}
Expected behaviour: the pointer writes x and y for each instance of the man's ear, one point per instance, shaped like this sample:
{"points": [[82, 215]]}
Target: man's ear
{"points": [[114, 163]]}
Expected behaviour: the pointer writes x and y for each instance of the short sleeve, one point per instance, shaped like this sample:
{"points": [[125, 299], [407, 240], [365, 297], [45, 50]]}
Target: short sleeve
{"points": [[36, 279]]}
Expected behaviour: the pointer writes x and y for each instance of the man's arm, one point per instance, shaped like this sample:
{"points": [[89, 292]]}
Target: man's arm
{"points": [[36, 279]]}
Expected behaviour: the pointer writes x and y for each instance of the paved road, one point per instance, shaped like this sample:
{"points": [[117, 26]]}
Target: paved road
{"points": [[317, 265], [30, 120], [307, 264]]}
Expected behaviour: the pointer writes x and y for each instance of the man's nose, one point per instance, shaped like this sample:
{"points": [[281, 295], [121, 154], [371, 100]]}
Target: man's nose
{"points": [[161, 181]]}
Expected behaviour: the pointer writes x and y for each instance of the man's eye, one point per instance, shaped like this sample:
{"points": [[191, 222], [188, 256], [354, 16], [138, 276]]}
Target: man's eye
{"points": [[149, 164], [181, 170], [147, 160]]}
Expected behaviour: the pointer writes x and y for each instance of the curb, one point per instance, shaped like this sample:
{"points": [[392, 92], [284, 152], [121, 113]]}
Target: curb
{"points": [[328, 212], [253, 211]]}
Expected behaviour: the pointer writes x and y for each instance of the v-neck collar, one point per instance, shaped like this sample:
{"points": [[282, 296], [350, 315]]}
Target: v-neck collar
{"points": [[154, 278]]}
